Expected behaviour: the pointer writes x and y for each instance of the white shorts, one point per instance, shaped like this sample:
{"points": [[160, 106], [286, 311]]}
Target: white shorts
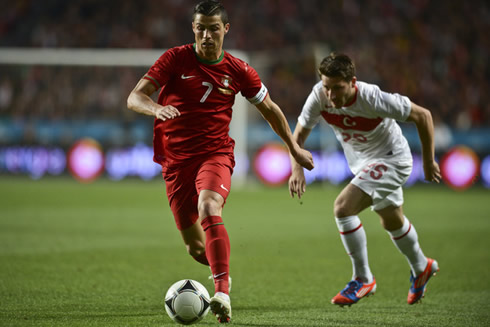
{"points": [[382, 180]]}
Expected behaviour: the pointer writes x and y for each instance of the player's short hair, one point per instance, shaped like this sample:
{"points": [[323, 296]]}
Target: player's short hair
{"points": [[211, 8], [338, 65]]}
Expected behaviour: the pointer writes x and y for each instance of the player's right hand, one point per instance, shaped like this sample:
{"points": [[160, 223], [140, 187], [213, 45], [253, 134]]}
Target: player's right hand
{"points": [[432, 172], [166, 112]]}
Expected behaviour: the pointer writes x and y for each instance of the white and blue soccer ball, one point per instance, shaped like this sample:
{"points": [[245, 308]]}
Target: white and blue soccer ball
{"points": [[187, 302]]}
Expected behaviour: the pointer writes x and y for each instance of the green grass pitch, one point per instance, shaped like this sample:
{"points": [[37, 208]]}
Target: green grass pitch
{"points": [[104, 254]]}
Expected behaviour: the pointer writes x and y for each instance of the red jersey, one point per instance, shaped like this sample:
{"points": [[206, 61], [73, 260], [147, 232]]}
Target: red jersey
{"points": [[204, 93]]}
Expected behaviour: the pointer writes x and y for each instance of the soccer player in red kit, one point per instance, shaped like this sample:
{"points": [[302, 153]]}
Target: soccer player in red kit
{"points": [[198, 85]]}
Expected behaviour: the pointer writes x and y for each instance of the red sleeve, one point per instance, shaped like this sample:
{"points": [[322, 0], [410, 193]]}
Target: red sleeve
{"points": [[161, 71]]}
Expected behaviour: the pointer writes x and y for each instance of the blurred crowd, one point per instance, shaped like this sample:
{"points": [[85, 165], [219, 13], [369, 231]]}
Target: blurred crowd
{"points": [[435, 52]]}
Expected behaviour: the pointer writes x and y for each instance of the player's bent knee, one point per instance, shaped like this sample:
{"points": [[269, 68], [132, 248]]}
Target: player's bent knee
{"points": [[209, 207], [340, 209]]}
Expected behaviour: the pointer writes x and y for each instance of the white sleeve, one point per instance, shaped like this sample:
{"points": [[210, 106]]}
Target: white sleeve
{"points": [[391, 105], [310, 115]]}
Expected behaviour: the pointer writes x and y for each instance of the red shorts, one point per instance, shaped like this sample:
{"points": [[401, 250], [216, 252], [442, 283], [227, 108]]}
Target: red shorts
{"points": [[184, 183]]}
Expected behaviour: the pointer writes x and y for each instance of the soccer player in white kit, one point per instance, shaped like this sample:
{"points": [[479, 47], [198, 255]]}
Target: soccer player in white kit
{"points": [[364, 121]]}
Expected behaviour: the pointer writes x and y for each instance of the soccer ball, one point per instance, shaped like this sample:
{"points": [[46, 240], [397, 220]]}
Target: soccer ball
{"points": [[187, 302]]}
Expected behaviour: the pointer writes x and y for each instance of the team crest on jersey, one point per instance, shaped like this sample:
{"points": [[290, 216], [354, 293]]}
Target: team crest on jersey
{"points": [[226, 81], [351, 122]]}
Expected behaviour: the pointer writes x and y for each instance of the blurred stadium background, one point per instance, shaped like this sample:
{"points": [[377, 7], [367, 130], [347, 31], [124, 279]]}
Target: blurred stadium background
{"points": [[67, 67]]}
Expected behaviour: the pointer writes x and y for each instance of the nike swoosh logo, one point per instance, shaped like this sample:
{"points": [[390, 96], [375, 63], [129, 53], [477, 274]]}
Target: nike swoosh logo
{"points": [[217, 275], [186, 77], [224, 188]]}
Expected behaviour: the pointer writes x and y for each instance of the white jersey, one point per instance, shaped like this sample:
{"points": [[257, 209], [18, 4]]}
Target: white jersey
{"points": [[366, 127]]}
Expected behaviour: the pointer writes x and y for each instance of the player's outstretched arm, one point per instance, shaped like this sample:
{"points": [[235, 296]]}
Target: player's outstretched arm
{"points": [[276, 119], [425, 127], [139, 100], [297, 182]]}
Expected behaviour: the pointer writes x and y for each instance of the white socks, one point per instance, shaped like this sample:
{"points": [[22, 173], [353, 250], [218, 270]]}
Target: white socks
{"points": [[354, 239], [406, 240]]}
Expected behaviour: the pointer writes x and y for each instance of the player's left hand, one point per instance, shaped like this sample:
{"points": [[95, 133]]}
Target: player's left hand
{"points": [[432, 172], [297, 183]]}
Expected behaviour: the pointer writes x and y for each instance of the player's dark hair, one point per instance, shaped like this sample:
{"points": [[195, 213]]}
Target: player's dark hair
{"points": [[338, 65], [211, 8]]}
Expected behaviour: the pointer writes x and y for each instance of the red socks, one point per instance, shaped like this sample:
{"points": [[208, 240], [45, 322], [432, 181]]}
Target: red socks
{"points": [[217, 251]]}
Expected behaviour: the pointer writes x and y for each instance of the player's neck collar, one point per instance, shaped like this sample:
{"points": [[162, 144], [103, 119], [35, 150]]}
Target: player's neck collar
{"points": [[354, 98], [208, 62]]}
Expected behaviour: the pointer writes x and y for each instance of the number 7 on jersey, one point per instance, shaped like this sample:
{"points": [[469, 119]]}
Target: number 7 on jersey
{"points": [[208, 91]]}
